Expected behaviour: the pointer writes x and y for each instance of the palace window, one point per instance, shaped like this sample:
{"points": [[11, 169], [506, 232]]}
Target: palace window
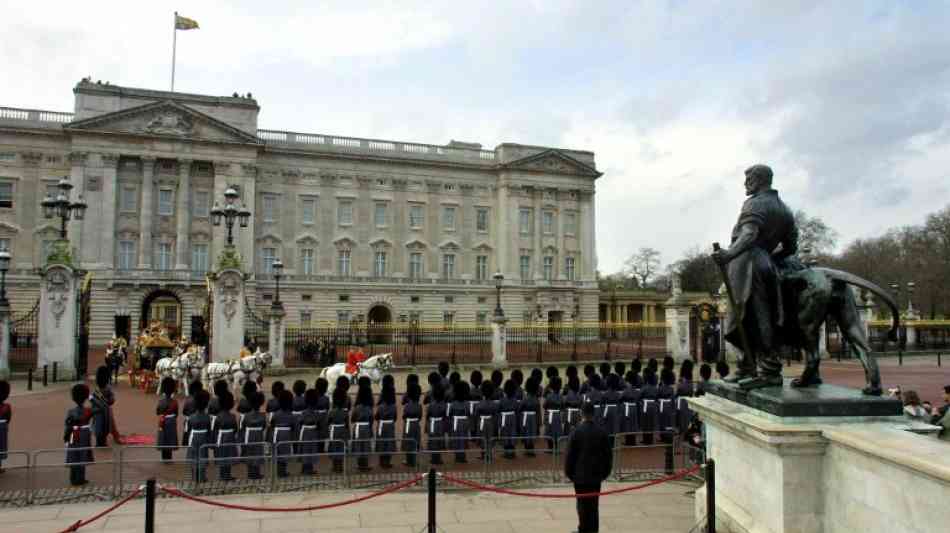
{"points": [[524, 221], [570, 224], [126, 255], [448, 266], [448, 218], [344, 213], [343, 263], [166, 202], [202, 205], [524, 265], [547, 222], [308, 210], [344, 298], [6, 194], [415, 265], [380, 217], [379, 264], [306, 297], [414, 299], [163, 259], [569, 268], [268, 255], [482, 299], [481, 318], [448, 318], [548, 267], [269, 207], [416, 216], [305, 319], [481, 220], [343, 317], [199, 257], [128, 199], [450, 299], [306, 261], [481, 267]]}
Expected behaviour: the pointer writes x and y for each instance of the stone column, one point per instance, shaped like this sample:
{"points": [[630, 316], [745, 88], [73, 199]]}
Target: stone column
{"points": [[278, 327], [228, 320], [77, 175], [146, 218], [911, 335], [499, 342], [5, 327], [823, 341], [57, 319], [183, 215], [102, 229], [677, 322], [585, 233]]}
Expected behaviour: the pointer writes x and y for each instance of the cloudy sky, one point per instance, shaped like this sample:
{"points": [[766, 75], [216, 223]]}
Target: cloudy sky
{"points": [[848, 101]]}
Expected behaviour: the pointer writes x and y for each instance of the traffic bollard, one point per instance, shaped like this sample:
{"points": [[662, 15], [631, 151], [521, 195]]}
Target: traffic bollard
{"points": [[45, 375], [29, 379], [150, 506], [432, 525], [710, 496], [55, 371]]}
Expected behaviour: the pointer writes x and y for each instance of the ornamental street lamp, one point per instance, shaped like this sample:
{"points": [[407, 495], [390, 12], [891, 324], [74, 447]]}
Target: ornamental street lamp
{"points": [[61, 206], [4, 266], [278, 267], [229, 213], [499, 313]]}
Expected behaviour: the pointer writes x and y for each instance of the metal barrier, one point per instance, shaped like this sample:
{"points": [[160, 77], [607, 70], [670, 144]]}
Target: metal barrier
{"points": [[544, 461], [659, 448], [366, 467], [100, 476], [16, 476]]}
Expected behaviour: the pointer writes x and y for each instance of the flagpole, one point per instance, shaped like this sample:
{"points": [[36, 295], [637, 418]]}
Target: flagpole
{"points": [[174, 46]]}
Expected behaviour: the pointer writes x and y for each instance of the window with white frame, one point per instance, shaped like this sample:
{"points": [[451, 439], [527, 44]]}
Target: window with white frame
{"points": [[379, 264], [380, 214], [547, 222], [269, 207], [6, 194], [524, 221], [126, 255], [416, 216], [524, 266], [481, 267], [569, 268], [448, 318], [5, 244], [415, 265], [199, 257], [527, 317], [448, 266], [570, 224], [166, 202], [306, 261], [448, 218], [128, 199], [308, 210], [548, 267], [202, 204], [343, 262], [481, 220], [344, 213], [481, 318], [304, 319], [268, 255], [163, 253], [343, 317]]}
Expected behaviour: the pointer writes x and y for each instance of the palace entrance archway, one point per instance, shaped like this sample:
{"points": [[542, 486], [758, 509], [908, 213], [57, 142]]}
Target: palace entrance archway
{"points": [[379, 321], [164, 306]]}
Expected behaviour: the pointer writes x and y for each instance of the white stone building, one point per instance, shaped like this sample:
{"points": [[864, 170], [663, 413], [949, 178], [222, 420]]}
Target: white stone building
{"points": [[369, 229]]}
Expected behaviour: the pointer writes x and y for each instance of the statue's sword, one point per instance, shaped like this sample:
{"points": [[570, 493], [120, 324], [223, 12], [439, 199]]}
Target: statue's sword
{"points": [[732, 303]]}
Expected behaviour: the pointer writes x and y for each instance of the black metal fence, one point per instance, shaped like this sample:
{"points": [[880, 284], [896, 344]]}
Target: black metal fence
{"points": [[24, 339], [256, 329], [912, 336]]}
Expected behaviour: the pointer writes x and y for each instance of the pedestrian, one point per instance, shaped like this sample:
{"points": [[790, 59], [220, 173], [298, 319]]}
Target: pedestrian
{"points": [[339, 426], [386, 425], [6, 414], [199, 429], [411, 431], [941, 416], [167, 411], [283, 429], [78, 436], [253, 426], [361, 419], [102, 401], [587, 465], [308, 432], [225, 430]]}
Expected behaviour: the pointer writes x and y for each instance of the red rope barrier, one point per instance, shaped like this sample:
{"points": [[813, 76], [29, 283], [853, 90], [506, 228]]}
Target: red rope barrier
{"points": [[83, 523], [394, 488], [487, 488]]}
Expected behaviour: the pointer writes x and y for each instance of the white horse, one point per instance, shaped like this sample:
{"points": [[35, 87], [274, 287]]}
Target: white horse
{"points": [[236, 372], [193, 362], [169, 367], [373, 368]]}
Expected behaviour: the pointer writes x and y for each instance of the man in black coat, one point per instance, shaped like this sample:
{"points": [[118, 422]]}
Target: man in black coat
{"points": [[589, 460]]}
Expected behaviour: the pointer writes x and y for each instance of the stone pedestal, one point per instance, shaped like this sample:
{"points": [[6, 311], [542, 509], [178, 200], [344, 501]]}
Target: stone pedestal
{"points": [[57, 319], [5, 326], [677, 335], [821, 474], [499, 342], [277, 329], [228, 320], [911, 335]]}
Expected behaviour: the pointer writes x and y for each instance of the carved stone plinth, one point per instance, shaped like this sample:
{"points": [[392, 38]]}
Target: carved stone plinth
{"points": [[276, 331], [57, 319], [499, 340], [227, 336], [5, 326]]}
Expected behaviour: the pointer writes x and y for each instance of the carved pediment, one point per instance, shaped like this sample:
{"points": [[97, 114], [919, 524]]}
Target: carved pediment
{"points": [[380, 242], [449, 245], [553, 162], [482, 247], [344, 242], [166, 118], [416, 244]]}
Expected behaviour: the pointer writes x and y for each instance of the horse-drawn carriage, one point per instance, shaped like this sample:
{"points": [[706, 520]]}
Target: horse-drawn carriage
{"points": [[150, 347]]}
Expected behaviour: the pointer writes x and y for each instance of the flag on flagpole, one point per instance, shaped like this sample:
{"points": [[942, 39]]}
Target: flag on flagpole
{"points": [[185, 23]]}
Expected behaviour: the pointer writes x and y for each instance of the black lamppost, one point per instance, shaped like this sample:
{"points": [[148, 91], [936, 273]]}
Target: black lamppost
{"points": [[4, 266], [278, 267], [229, 213], [499, 313], [61, 206]]}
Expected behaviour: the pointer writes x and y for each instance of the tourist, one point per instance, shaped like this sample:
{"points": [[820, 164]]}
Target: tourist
{"points": [[322, 410], [386, 424], [435, 422], [224, 429], [458, 417], [529, 417], [102, 401], [705, 373], [282, 429], [167, 411], [629, 415], [199, 428], [553, 405], [308, 431], [300, 403], [487, 414], [339, 425], [508, 409], [6, 414], [188, 409], [253, 427], [912, 407], [78, 436], [941, 416], [273, 404], [572, 404], [411, 432], [587, 465], [361, 419]]}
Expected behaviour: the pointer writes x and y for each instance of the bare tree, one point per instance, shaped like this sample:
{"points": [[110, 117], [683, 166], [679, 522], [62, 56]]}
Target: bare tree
{"points": [[814, 234], [643, 264]]}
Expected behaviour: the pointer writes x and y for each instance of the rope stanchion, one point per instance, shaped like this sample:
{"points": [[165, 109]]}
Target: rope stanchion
{"points": [[83, 523], [499, 490], [388, 490]]}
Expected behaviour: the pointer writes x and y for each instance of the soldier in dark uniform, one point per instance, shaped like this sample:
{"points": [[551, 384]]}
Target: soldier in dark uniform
{"points": [[248, 391], [572, 404], [6, 414], [630, 409], [322, 410], [458, 420], [308, 432], [188, 409], [339, 427], [361, 419], [508, 409], [635, 367], [497, 382], [486, 413], [410, 380], [595, 396], [386, 425], [444, 375], [199, 434], [529, 419], [648, 403], [411, 431], [474, 396], [611, 411], [588, 372], [220, 388], [553, 411], [434, 380], [684, 389], [435, 423], [273, 404], [102, 401], [282, 428], [77, 435], [253, 427], [517, 377], [300, 403], [666, 408], [225, 431], [167, 411], [763, 237]]}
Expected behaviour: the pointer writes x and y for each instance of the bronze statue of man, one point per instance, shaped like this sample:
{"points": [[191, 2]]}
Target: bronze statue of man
{"points": [[762, 238]]}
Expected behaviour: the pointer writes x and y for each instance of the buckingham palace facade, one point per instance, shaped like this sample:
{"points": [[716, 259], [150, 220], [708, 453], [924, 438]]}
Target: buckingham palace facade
{"points": [[367, 229]]}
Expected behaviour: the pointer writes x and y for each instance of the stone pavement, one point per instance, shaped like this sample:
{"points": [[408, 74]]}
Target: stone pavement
{"points": [[659, 509]]}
